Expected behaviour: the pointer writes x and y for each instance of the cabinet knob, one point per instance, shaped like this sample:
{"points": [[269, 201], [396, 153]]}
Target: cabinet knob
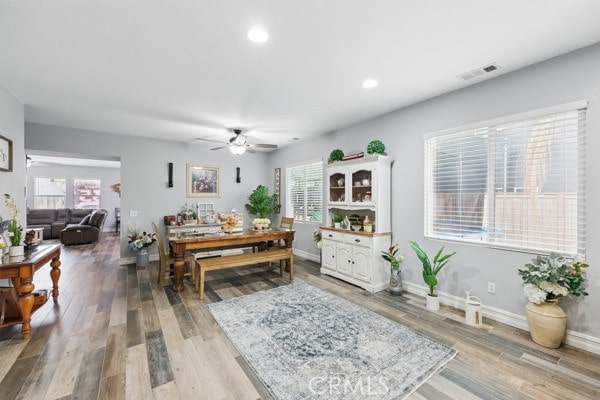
{"points": [[352, 262], [357, 240], [330, 235]]}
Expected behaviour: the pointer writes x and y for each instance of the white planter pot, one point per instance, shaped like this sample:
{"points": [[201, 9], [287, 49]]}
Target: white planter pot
{"points": [[15, 251], [432, 302]]}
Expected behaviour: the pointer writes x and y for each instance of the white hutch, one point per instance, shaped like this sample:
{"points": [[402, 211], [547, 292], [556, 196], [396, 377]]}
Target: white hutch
{"points": [[360, 190]]}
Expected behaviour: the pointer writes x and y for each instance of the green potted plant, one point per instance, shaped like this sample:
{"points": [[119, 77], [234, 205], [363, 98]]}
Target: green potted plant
{"points": [[391, 255], [336, 155], [376, 147], [547, 279], [260, 203], [337, 220], [430, 271]]}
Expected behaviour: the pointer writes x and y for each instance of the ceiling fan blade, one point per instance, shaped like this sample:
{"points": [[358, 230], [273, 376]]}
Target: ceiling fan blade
{"points": [[210, 140], [263, 146], [219, 148]]}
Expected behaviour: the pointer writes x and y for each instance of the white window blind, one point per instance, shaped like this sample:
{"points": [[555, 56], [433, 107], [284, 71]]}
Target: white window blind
{"points": [[305, 192], [515, 184], [50, 193]]}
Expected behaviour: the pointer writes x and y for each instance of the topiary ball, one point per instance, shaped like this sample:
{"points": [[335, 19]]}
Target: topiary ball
{"points": [[336, 155], [376, 147]]}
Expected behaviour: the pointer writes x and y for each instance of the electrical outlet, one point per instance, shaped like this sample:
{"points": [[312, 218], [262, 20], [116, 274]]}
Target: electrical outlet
{"points": [[491, 287], [133, 213]]}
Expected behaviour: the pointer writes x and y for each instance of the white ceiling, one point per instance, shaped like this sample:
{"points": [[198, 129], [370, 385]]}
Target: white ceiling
{"points": [[184, 69]]}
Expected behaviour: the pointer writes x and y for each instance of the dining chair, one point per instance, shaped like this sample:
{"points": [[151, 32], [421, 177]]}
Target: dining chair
{"points": [[284, 223], [117, 219], [166, 262]]}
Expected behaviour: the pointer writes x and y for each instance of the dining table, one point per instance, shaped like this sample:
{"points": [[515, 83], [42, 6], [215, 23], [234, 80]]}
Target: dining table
{"points": [[181, 243]]}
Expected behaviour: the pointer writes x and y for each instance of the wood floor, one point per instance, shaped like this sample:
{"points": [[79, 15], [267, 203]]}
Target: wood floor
{"points": [[116, 334]]}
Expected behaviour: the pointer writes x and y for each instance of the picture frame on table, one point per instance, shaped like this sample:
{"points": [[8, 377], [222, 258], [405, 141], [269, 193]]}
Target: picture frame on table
{"points": [[6, 154], [202, 181]]}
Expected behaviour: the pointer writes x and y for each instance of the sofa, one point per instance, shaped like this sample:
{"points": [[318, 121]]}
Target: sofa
{"points": [[54, 220], [87, 231]]}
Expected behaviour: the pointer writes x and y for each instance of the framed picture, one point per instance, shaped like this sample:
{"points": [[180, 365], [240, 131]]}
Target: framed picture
{"points": [[6, 154], [202, 181]]}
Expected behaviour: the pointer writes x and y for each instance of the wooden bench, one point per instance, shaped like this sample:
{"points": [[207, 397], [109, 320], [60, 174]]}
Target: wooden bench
{"points": [[238, 260]]}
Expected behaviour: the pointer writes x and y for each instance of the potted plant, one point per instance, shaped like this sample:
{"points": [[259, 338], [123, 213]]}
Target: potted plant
{"points": [[376, 147], [15, 231], [188, 214], [391, 255], [260, 203], [336, 155], [430, 271], [548, 278], [337, 220]]}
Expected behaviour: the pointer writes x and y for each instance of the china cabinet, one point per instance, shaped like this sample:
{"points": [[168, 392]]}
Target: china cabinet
{"points": [[358, 190]]}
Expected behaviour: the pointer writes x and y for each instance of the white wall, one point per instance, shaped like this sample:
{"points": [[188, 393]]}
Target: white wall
{"points": [[11, 127], [108, 176], [564, 79], [144, 171]]}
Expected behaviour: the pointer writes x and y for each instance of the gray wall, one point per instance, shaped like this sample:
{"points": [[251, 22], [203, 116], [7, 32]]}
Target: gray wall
{"points": [[11, 127], [108, 176], [568, 78], [144, 171]]}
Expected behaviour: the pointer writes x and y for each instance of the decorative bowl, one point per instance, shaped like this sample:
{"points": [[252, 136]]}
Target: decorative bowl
{"points": [[356, 228]]}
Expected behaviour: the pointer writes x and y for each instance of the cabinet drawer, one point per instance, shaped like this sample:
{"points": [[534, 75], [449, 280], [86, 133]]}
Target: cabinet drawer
{"points": [[358, 240], [331, 235]]}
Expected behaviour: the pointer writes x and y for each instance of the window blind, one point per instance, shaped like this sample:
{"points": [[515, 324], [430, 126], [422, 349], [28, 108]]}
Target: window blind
{"points": [[305, 192], [50, 193], [516, 184]]}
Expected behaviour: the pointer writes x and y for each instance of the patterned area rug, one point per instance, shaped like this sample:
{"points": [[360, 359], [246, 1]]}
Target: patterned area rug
{"points": [[305, 343]]}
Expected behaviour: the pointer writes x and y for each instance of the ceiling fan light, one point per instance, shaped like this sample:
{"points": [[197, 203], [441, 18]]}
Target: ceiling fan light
{"points": [[258, 35], [237, 149]]}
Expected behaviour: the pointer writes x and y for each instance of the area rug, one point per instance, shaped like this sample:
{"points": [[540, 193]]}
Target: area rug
{"points": [[304, 343]]}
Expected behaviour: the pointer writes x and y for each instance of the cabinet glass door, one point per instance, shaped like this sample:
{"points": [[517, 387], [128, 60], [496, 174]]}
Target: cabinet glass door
{"points": [[362, 186], [337, 186]]}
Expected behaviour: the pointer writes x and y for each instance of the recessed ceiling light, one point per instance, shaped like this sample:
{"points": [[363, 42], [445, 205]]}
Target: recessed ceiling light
{"points": [[258, 35], [369, 83]]}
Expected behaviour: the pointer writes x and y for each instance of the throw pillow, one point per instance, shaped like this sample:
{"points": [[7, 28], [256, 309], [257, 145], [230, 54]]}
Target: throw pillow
{"points": [[85, 220]]}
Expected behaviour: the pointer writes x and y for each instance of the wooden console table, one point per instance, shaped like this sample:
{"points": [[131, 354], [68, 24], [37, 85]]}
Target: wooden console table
{"points": [[21, 270], [221, 240]]}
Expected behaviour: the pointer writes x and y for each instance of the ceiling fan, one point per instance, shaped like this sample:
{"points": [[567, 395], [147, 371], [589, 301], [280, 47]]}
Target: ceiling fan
{"points": [[237, 143]]}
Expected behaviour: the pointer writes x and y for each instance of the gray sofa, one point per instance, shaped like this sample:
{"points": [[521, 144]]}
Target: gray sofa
{"points": [[53, 221], [87, 231]]}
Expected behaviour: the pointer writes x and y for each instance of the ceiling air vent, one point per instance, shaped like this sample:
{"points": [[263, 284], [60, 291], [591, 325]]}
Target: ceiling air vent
{"points": [[479, 71]]}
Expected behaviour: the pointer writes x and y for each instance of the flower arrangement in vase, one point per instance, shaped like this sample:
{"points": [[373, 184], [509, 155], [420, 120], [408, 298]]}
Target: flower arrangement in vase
{"points": [[139, 239], [547, 279], [15, 231], [318, 238]]}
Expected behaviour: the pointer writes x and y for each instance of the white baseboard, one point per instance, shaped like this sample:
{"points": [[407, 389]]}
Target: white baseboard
{"points": [[308, 256], [572, 338]]}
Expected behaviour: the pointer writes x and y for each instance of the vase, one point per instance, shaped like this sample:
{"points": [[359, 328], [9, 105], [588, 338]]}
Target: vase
{"points": [[547, 323], [142, 258], [15, 251], [432, 302], [395, 282]]}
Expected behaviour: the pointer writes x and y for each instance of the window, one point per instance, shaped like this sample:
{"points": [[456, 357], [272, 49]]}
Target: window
{"points": [[305, 192], [517, 183], [50, 193], [87, 193]]}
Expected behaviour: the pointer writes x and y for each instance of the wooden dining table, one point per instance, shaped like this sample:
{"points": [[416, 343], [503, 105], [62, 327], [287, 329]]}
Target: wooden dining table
{"points": [[220, 241]]}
